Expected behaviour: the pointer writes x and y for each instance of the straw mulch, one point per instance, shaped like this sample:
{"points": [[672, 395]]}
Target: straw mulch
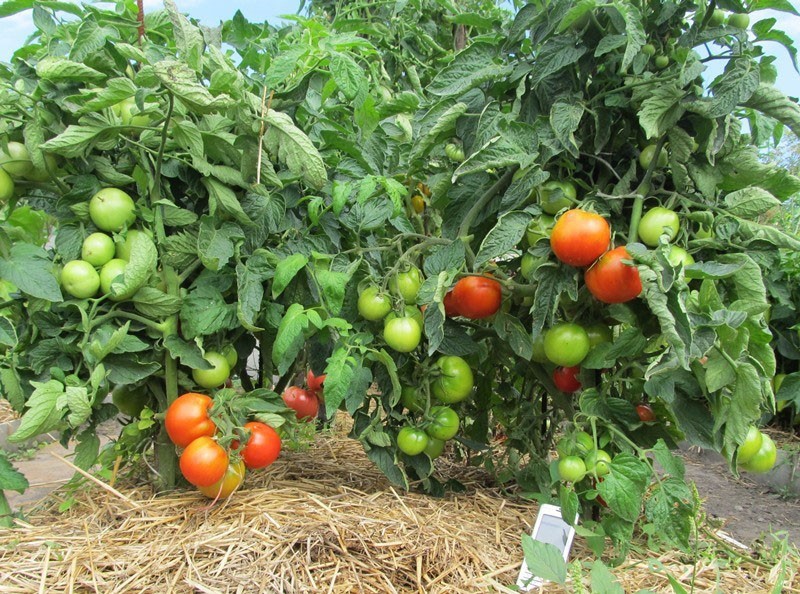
{"points": [[6, 412], [321, 520]]}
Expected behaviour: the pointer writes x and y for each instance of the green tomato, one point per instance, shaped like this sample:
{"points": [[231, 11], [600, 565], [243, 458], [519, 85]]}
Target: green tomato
{"points": [[412, 399], [598, 333], [402, 334], [108, 273], [571, 469], [230, 354], [97, 249], [112, 210], [412, 441], [529, 264], [566, 344], [454, 152], [739, 21], [455, 381], [123, 250], [434, 448], [584, 442], [216, 376], [130, 400], [409, 311], [649, 50], [539, 228], [127, 111], [80, 279], [6, 185], [556, 195], [444, 423], [764, 459], [717, 18], [598, 462], [373, 306], [42, 175], [678, 256], [406, 284], [16, 159], [750, 445], [647, 154], [661, 62], [656, 222]]}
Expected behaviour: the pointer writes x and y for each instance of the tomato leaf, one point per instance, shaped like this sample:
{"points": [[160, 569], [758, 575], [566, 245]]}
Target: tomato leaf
{"points": [[60, 69], [623, 488], [285, 272], [29, 268], [502, 238], [291, 146], [290, 338], [669, 507], [188, 38], [634, 32], [125, 369], [76, 401], [471, 67], [661, 110], [44, 411], [155, 304], [510, 330], [603, 580], [87, 450], [11, 479], [187, 352], [544, 560]]}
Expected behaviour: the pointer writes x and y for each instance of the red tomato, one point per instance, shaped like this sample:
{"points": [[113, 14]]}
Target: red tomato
{"points": [[579, 237], [187, 419], [263, 446], [645, 412], [477, 297], [612, 281], [450, 305], [566, 379], [304, 403], [203, 462], [314, 382]]}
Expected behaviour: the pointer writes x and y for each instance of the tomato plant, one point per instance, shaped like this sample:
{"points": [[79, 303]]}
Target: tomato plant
{"points": [[579, 237], [187, 419], [612, 280], [304, 403], [203, 462], [477, 297], [412, 441]]}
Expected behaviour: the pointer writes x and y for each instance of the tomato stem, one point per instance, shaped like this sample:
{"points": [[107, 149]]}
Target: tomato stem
{"points": [[6, 519], [642, 190]]}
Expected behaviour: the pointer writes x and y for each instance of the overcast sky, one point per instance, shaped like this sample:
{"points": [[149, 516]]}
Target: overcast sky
{"points": [[210, 12]]}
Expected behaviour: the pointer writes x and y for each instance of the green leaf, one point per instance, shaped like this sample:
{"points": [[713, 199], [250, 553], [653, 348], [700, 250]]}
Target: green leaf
{"points": [[155, 304], [603, 581], [439, 122], [471, 67], [333, 286], [187, 352], [224, 200], [29, 268], [60, 69], [557, 53], [216, 245], [11, 7], [503, 237], [43, 414], [669, 462], [188, 38], [106, 339], [544, 560], [634, 32], [291, 146], [140, 267], [743, 408], [290, 337], [623, 488], [12, 388], [250, 291], [285, 272], [734, 87], [8, 333], [661, 110], [89, 40], [347, 74], [87, 450], [124, 369], [772, 102], [511, 330], [669, 509], [750, 203], [76, 401], [609, 43], [204, 312], [75, 141], [339, 374], [182, 82], [565, 119], [11, 479]]}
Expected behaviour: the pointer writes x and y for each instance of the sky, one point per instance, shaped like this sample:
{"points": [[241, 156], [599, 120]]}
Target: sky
{"points": [[210, 12]]}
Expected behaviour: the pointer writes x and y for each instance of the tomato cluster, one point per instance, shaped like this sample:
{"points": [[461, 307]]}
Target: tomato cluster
{"points": [[580, 458], [204, 462]]}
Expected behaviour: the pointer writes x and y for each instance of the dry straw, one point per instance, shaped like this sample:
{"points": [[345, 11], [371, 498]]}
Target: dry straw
{"points": [[322, 520]]}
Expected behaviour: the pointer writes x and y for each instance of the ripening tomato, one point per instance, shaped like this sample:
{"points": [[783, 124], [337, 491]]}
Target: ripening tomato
{"points": [[230, 354], [16, 160], [580, 237], [262, 447], [566, 379], [610, 280], [418, 203], [477, 297], [80, 279], [230, 482], [411, 440], [6, 185], [539, 228], [406, 284], [455, 381], [130, 399], [566, 344], [304, 403], [598, 333], [409, 311], [717, 18], [450, 305], [598, 462], [739, 20], [584, 442], [435, 447], [203, 462], [187, 419], [679, 257], [645, 412]]}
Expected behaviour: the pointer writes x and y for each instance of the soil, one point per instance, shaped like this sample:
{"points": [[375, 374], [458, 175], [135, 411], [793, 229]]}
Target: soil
{"points": [[752, 513]]}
